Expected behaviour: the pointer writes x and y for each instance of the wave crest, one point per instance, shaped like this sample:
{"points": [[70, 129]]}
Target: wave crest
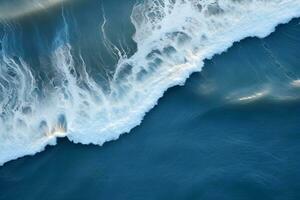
{"points": [[173, 39]]}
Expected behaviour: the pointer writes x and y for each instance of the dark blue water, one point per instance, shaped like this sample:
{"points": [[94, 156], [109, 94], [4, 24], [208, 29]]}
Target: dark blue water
{"points": [[203, 140], [192, 145]]}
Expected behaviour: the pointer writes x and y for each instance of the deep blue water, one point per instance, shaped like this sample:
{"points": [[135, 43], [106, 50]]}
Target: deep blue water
{"points": [[199, 142], [188, 147]]}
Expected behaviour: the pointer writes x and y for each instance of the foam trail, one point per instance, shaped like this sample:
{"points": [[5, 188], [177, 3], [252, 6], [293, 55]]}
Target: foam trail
{"points": [[173, 39], [112, 49]]}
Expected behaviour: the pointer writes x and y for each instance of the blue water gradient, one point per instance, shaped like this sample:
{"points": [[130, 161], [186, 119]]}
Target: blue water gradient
{"points": [[200, 142]]}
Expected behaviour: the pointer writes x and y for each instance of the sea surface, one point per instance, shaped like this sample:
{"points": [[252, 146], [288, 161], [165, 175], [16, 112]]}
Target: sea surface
{"points": [[207, 92]]}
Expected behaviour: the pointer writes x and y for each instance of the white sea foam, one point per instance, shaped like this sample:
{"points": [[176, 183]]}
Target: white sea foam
{"points": [[173, 38], [296, 83]]}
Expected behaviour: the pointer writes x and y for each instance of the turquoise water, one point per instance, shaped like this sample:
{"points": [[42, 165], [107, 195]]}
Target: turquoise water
{"points": [[231, 132]]}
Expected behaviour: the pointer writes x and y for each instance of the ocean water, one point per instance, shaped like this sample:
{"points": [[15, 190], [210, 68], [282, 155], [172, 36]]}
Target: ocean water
{"points": [[87, 71]]}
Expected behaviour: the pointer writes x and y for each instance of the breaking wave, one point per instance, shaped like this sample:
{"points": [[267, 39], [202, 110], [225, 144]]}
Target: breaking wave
{"points": [[62, 98]]}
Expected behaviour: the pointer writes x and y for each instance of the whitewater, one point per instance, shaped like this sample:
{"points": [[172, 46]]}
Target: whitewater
{"points": [[173, 39]]}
